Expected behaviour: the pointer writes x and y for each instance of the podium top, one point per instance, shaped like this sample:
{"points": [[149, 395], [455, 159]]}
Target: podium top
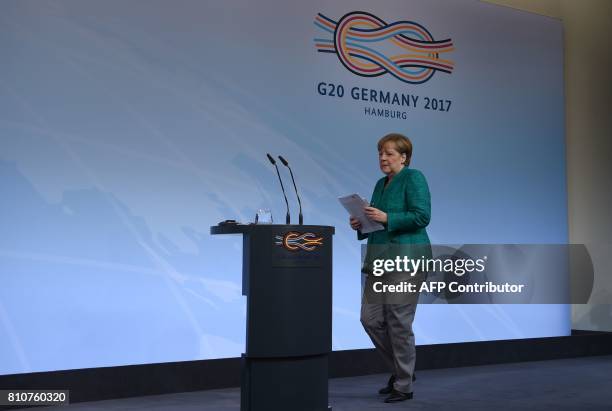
{"points": [[253, 228]]}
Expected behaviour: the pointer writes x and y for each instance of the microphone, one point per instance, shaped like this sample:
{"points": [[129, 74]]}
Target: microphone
{"points": [[286, 163], [288, 218]]}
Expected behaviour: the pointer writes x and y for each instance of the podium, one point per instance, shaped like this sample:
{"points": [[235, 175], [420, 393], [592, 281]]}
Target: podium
{"points": [[287, 279]]}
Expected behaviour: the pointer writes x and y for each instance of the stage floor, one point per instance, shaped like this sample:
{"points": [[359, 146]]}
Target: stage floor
{"points": [[569, 384]]}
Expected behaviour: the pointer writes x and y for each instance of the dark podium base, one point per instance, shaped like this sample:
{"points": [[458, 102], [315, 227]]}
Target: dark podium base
{"points": [[281, 384]]}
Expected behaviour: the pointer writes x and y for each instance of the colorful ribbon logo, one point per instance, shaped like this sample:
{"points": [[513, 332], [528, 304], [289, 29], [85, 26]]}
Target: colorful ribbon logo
{"points": [[294, 241], [357, 33]]}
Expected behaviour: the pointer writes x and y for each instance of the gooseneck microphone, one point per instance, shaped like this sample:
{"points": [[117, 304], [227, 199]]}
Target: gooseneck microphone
{"points": [[288, 218], [286, 163]]}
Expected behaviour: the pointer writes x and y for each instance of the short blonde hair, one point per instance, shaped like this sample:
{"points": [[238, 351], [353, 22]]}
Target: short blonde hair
{"points": [[402, 144]]}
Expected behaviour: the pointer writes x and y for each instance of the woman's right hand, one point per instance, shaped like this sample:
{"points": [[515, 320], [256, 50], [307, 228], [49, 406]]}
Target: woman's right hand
{"points": [[355, 223]]}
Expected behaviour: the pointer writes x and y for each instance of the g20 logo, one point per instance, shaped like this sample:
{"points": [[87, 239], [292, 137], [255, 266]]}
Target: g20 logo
{"points": [[363, 42], [295, 241]]}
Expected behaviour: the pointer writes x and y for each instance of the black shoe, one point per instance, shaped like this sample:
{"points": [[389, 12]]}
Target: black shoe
{"points": [[397, 396], [389, 388]]}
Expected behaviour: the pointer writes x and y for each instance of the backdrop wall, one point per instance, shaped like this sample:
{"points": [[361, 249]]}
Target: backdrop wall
{"points": [[129, 127], [588, 63]]}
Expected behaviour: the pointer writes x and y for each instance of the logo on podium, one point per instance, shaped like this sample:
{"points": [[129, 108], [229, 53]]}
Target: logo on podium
{"points": [[296, 241]]}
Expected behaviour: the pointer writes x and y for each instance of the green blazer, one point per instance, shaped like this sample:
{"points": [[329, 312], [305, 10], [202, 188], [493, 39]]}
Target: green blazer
{"points": [[407, 202]]}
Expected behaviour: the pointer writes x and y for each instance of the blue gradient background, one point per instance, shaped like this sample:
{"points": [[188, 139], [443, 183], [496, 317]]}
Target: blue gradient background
{"points": [[127, 128]]}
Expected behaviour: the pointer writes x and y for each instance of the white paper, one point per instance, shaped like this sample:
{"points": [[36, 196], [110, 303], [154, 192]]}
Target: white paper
{"points": [[354, 204]]}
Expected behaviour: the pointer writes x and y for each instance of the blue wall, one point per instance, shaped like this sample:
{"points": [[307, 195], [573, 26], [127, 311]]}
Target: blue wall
{"points": [[127, 128]]}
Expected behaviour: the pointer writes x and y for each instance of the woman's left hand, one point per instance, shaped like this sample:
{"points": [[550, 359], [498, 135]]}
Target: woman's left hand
{"points": [[376, 215]]}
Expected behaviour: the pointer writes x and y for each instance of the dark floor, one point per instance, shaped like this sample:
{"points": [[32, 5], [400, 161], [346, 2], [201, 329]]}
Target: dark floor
{"points": [[570, 384]]}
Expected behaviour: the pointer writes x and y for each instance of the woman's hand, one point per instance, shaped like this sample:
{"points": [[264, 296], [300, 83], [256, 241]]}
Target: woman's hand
{"points": [[376, 215], [355, 223]]}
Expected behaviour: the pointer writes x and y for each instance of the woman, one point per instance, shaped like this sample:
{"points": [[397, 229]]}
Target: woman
{"points": [[401, 203]]}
